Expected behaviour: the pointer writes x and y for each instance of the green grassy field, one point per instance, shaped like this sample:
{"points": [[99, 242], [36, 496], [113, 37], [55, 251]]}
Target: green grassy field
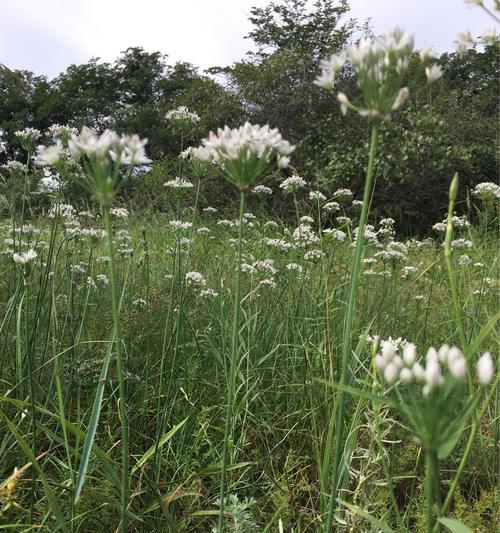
{"points": [[176, 285]]}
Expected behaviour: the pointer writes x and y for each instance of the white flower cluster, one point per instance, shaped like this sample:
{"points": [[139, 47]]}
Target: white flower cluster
{"points": [[182, 114], [262, 190], [24, 258], [342, 194], [379, 65], [304, 236], [61, 133], [487, 191], [406, 368], [292, 184], [317, 196], [331, 207], [125, 149], [246, 142], [195, 278], [179, 183], [119, 212], [31, 134], [180, 225]]}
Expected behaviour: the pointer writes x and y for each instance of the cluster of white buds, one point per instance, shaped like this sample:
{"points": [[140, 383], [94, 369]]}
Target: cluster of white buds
{"points": [[24, 258], [124, 149], [179, 183], [292, 184], [245, 153], [487, 191], [379, 65], [28, 137], [406, 368], [182, 115]]}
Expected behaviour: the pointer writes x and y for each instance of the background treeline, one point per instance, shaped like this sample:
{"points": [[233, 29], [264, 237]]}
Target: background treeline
{"points": [[449, 127]]}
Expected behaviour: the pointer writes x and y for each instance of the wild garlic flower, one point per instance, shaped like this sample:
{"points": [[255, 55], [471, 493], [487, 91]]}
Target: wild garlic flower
{"points": [[336, 234], [2, 143], [62, 134], [379, 65], [485, 369], [246, 153], [342, 194], [25, 257], [487, 191], [119, 212], [317, 196], [49, 155], [331, 207], [182, 116], [180, 225], [292, 184], [208, 293], [314, 255], [179, 183], [490, 35], [433, 73], [103, 156], [464, 41], [262, 190], [28, 137], [195, 278]]}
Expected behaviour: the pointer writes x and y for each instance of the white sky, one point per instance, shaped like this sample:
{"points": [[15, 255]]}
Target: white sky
{"points": [[46, 36]]}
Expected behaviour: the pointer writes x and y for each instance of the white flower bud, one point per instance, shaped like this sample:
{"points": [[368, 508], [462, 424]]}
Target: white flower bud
{"points": [[485, 369], [433, 73], [380, 363], [387, 351], [390, 373], [418, 371], [458, 367], [443, 353], [432, 356], [409, 353], [433, 375], [397, 361], [406, 375], [453, 353]]}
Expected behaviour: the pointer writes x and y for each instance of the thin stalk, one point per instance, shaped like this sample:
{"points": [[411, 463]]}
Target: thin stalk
{"points": [[449, 263], [346, 344], [431, 486], [232, 366], [467, 452], [120, 371]]}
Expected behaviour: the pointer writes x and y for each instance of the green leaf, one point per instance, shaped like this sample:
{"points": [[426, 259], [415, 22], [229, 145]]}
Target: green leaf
{"points": [[454, 525], [94, 420], [360, 393], [454, 431], [149, 453], [367, 516], [49, 493]]}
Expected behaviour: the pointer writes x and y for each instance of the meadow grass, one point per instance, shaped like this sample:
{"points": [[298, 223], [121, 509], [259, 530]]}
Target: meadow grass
{"points": [[60, 380]]}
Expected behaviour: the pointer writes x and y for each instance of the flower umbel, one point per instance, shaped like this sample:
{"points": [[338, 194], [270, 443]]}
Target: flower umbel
{"points": [[246, 153]]}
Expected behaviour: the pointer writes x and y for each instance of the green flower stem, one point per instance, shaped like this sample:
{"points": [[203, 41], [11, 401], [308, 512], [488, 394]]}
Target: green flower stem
{"points": [[431, 486], [467, 452], [120, 371], [346, 345], [449, 263], [232, 366]]}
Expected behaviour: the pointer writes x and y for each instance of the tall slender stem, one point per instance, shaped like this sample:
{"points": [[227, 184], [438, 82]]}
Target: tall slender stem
{"points": [[449, 263], [120, 371], [232, 366], [431, 486], [346, 344]]}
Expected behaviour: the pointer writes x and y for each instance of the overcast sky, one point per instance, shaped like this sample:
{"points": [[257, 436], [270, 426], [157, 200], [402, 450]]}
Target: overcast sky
{"points": [[46, 36]]}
